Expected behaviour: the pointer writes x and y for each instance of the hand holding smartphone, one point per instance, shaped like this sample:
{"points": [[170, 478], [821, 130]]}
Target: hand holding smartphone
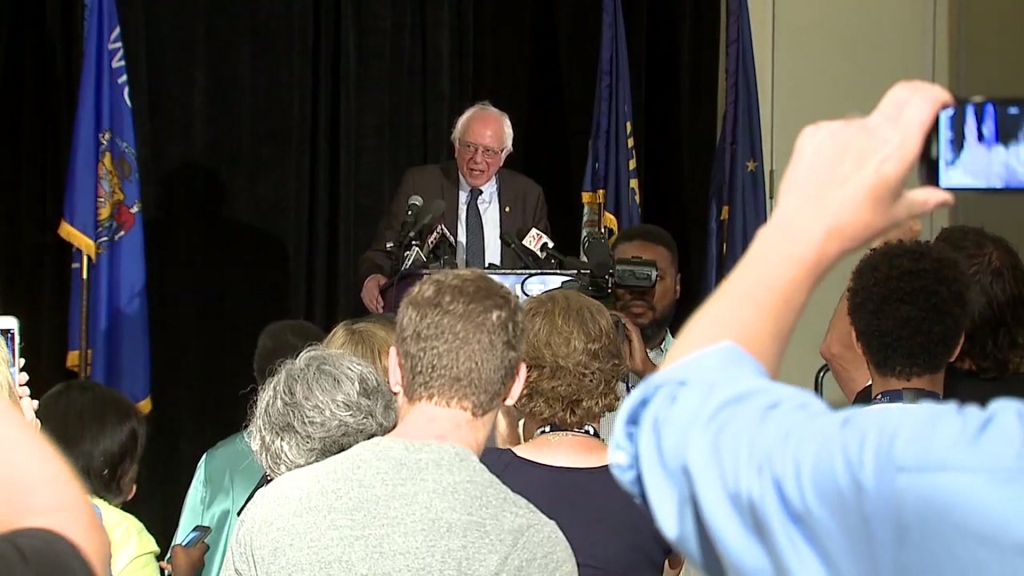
{"points": [[185, 556], [977, 145]]}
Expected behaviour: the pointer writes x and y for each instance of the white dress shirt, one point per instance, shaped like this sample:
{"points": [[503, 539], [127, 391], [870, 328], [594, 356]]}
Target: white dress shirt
{"points": [[490, 211]]}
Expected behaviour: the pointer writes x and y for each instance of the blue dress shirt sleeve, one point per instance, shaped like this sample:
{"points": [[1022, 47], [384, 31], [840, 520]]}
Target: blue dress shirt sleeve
{"points": [[746, 475]]}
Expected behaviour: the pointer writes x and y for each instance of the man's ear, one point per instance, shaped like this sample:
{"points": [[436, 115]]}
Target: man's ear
{"points": [[958, 347], [516, 389], [394, 371], [679, 284]]}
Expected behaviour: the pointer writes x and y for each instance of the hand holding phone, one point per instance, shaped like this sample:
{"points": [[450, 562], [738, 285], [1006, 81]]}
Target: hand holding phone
{"points": [[189, 556]]}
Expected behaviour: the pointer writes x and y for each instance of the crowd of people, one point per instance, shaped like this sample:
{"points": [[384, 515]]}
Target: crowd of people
{"points": [[472, 433]]}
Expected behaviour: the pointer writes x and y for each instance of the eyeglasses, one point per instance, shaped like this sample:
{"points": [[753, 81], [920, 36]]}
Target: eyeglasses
{"points": [[470, 149]]}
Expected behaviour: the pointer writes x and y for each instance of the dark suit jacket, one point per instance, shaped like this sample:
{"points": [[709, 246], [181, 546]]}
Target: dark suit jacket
{"points": [[521, 201]]}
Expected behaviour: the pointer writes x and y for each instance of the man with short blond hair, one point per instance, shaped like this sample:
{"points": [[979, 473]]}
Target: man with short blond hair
{"points": [[418, 499], [460, 342]]}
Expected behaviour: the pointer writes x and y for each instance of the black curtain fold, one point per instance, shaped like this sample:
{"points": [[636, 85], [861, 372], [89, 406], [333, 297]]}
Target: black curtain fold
{"points": [[272, 137]]}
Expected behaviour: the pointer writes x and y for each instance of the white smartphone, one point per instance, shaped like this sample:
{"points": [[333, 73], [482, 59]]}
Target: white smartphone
{"points": [[10, 330]]}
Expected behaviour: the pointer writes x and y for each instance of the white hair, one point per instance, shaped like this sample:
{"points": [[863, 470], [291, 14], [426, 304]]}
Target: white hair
{"points": [[485, 106], [319, 404]]}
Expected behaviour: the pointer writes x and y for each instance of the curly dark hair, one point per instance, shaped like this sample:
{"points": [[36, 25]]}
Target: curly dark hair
{"points": [[908, 307], [994, 339], [574, 360]]}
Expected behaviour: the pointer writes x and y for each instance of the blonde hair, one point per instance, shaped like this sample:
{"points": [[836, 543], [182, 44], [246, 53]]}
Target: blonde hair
{"points": [[7, 382], [365, 340]]}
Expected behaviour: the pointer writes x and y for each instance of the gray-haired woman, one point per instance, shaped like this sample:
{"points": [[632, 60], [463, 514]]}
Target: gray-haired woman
{"points": [[314, 407]]}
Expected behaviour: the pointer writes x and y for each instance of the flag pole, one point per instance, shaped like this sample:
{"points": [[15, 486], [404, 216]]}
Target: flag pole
{"points": [[83, 329]]}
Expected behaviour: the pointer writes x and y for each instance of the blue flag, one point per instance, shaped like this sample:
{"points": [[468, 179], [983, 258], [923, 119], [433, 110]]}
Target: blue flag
{"points": [[738, 206], [611, 185], [102, 217]]}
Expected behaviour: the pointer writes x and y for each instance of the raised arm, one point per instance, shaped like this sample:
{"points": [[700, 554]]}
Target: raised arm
{"points": [[40, 490], [741, 473]]}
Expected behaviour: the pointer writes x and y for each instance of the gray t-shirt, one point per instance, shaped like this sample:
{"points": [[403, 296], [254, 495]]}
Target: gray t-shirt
{"points": [[391, 506]]}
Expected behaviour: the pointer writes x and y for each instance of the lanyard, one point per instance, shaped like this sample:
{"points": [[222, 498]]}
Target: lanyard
{"points": [[587, 429], [263, 481], [905, 396]]}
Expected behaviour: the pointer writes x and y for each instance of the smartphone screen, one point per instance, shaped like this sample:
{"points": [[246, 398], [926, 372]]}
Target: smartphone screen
{"points": [[10, 339], [197, 535], [978, 145]]}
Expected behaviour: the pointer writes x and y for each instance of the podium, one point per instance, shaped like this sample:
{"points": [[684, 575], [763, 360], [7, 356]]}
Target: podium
{"points": [[524, 283]]}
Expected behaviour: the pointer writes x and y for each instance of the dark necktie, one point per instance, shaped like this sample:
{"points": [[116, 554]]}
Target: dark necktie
{"points": [[474, 231]]}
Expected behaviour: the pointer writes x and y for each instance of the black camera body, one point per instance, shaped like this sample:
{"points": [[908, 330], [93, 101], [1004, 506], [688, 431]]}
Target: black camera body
{"points": [[626, 273]]}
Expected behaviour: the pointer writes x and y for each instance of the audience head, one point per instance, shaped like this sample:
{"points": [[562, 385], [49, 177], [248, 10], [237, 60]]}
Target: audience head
{"points": [[319, 404], [994, 340], [907, 303], [482, 137], [100, 431], [650, 309], [574, 360], [365, 340], [459, 344], [280, 341]]}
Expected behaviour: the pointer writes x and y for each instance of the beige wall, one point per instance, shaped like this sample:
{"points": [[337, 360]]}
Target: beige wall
{"points": [[827, 59], [988, 59]]}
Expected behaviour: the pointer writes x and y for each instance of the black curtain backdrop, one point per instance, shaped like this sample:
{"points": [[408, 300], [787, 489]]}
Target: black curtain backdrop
{"points": [[272, 136]]}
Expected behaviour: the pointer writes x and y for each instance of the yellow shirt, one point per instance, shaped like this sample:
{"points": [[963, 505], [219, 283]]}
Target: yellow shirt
{"points": [[133, 551]]}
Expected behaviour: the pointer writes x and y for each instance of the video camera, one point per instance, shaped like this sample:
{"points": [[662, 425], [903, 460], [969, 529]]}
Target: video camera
{"points": [[601, 273]]}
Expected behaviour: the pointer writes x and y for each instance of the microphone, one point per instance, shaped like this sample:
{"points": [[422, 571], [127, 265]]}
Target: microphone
{"points": [[543, 246], [598, 254], [517, 248], [441, 245], [441, 231], [411, 209], [426, 217]]}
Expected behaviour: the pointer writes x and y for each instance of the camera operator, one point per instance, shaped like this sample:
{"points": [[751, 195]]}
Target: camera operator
{"points": [[645, 312]]}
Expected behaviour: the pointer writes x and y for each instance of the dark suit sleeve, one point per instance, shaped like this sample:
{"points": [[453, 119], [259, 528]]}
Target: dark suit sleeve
{"points": [[540, 213], [375, 260]]}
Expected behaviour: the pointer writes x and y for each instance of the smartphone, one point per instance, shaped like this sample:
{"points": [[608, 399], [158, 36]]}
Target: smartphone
{"points": [[10, 330], [977, 145], [196, 536]]}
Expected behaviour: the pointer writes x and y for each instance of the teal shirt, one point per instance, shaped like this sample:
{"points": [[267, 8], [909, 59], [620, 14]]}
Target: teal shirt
{"points": [[224, 478]]}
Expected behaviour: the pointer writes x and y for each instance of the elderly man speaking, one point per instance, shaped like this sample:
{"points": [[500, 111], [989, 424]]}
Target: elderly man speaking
{"points": [[482, 201]]}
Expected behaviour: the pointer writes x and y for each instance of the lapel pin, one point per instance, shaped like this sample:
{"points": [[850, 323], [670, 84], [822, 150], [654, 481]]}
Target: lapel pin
{"points": [[507, 209]]}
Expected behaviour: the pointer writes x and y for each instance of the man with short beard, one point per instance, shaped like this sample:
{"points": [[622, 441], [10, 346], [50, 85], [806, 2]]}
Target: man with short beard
{"points": [[646, 312]]}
